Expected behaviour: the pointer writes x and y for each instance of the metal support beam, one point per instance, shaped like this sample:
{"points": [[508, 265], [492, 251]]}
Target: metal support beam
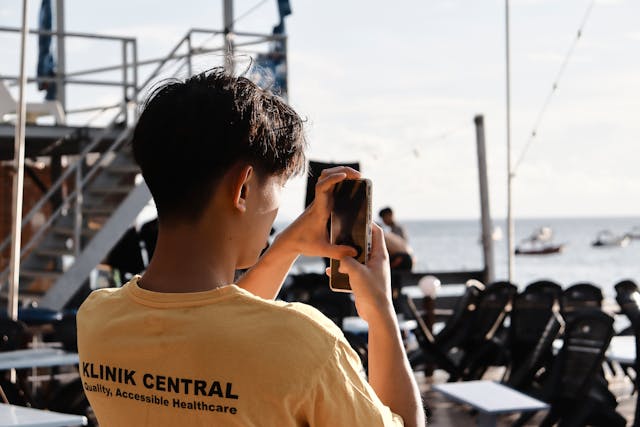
{"points": [[510, 225], [485, 211], [18, 178], [229, 62], [66, 287], [61, 54]]}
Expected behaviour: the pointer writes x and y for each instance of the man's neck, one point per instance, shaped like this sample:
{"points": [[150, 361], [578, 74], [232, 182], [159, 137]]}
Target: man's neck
{"points": [[187, 260]]}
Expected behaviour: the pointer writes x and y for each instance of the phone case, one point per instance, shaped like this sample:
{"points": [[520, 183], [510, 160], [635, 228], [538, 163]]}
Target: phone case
{"points": [[350, 225]]}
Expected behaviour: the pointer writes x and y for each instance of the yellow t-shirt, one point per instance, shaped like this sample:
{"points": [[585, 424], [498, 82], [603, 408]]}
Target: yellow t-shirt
{"points": [[218, 358]]}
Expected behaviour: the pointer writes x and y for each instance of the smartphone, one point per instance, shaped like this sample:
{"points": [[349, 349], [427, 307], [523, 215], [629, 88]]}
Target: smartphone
{"points": [[350, 225]]}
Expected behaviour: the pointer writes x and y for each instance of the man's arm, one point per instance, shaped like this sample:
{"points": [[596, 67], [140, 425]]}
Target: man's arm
{"points": [[306, 235], [390, 374]]}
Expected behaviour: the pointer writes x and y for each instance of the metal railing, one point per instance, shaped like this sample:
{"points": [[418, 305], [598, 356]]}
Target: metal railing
{"points": [[128, 65], [81, 177]]}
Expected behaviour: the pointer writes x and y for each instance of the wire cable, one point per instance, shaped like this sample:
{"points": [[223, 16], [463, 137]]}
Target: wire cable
{"points": [[554, 87], [250, 10]]}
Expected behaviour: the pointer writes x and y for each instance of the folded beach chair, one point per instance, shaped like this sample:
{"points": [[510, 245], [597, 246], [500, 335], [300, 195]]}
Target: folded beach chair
{"points": [[8, 105]]}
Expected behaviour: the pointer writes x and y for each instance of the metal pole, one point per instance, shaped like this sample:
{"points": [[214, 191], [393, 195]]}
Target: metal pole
{"points": [[229, 63], [134, 96], [189, 63], [124, 82], [18, 178], [77, 220], [61, 52], [510, 224], [485, 212]]}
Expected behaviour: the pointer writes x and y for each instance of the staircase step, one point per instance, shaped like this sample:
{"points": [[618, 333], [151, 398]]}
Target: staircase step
{"points": [[48, 274], [111, 190], [54, 252], [68, 231], [31, 295], [98, 210], [123, 169]]}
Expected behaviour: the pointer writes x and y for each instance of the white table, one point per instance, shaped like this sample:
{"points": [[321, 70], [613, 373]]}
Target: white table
{"points": [[490, 399], [11, 415], [357, 325], [36, 357], [622, 349]]}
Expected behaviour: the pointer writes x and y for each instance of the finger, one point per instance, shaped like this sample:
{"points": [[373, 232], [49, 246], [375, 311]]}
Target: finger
{"points": [[378, 246], [339, 251], [325, 185], [327, 182], [327, 271], [351, 267], [351, 173]]}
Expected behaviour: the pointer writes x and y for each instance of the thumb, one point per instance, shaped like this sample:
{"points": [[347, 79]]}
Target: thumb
{"points": [[351, 267], [339, 251]]}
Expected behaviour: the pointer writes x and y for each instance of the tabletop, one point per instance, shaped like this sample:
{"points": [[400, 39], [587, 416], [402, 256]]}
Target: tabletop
{"points": [[622, 349], [490, 397], [36, 357], [11, 415], [357, 325]]}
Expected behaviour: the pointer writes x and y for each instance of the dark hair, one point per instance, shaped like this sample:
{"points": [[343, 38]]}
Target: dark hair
{"points": [[191, 132], [385, 211]]}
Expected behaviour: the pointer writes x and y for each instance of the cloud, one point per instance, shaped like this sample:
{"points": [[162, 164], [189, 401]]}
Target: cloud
{"points": [[634, 36], [149, 33], [557, 58]]}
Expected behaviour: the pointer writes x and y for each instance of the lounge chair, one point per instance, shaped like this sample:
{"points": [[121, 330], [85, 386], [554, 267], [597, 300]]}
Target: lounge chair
{"points": [[580, 296], [546, 286], [535, 323], [628, 297], [574, 388], [8, 105]]}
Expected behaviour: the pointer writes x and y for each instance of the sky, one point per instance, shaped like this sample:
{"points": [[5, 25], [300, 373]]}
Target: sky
{"points": [[396, 86]]}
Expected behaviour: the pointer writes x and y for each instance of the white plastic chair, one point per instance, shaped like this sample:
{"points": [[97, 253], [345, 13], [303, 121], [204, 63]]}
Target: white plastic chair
{"points": [[8, 105]]}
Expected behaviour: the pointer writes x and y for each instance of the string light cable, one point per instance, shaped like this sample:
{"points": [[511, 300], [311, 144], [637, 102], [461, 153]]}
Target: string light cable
{"points": [[554, 87]]}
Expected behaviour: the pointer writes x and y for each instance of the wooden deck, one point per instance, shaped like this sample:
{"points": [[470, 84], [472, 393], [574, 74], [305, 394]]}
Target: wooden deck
{"points": [[448, 414]]}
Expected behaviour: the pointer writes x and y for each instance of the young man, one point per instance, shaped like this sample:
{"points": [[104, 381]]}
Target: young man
{"points": [[182, 345], [386, 215]]}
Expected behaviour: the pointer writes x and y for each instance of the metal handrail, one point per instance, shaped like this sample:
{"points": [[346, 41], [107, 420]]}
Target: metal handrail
{"points": [[199, 51], [81, 182], [155, 72], [57, 185], [25, 248], [72, 81], [69, 34]]}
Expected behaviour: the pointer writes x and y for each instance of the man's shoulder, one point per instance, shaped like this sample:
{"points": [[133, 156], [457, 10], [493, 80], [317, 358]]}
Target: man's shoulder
{"points": [[303, 318], [100, 303], [99, 296]]}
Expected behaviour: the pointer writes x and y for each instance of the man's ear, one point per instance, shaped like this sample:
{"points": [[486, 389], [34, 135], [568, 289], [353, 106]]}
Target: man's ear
{"points": [[242, 187]]}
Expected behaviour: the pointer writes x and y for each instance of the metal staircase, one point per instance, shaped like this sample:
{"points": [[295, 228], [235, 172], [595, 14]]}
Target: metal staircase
{"points": [[104, 190], [104, 201]]}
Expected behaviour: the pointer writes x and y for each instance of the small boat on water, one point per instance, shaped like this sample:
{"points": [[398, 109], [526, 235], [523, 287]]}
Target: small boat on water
{"points": [[606, 238], [634, 234], [539, 243]]}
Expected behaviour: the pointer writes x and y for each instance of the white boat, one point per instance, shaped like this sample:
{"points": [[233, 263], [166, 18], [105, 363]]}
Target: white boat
{"points": [[539, 243], [606, 238], [634, 234]]}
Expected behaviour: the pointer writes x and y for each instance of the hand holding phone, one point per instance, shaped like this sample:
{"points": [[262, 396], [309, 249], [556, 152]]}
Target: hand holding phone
{"points": [[350, 225]]}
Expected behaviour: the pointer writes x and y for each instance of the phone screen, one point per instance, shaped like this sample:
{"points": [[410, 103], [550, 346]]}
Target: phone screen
{"points": [[350, 225]]}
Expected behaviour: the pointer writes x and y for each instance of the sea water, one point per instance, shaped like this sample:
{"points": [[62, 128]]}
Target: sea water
{"points": [[455, 246]]}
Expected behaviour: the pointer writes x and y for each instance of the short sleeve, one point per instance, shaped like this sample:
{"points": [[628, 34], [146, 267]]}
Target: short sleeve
{"points": [[340, 395]]}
